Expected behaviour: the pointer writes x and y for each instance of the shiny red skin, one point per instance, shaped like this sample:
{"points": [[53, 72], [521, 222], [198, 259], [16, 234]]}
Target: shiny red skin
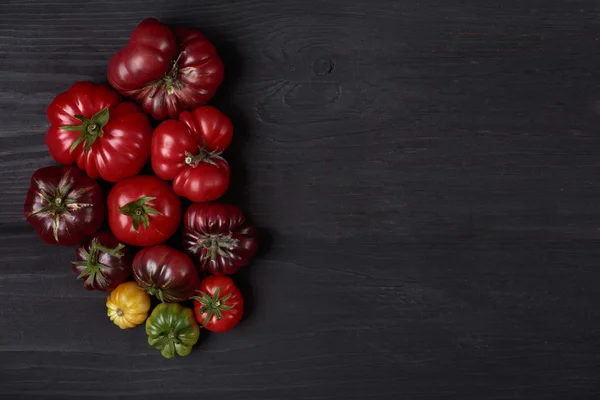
{"points": [[157, 55], [120, 152], [203, 221], [172, 141], [230, 318], [119, 268], [161, 227], [86, 211], [165, 272]]}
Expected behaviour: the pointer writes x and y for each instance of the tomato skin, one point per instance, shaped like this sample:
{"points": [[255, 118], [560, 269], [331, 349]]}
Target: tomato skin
{"points": [[128, 305], [161, 225], [172, 329], [218, 293], [218, 237], [188, 152], [80, 211], [166, 273], [102, 262], [118, 147], [166, 70]]}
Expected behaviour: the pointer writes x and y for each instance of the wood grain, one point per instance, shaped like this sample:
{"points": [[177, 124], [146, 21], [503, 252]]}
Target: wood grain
{"points": [[425, 176]]}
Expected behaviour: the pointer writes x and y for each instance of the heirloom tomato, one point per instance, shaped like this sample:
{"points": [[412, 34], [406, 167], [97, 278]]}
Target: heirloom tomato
{"points": [[166, 70], [103, 262], [166, 273], [143, 210], [218, 237], [188, 152], [90, 126], [128, 305], [219, 305], [63, 205], [172, 329]]}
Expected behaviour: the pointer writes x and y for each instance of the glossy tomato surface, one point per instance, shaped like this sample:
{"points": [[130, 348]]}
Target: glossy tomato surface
{"points": [[218, 237], [90, 126], [218, 305], [103, 263], [166, 70], [143, 210], [166, 273], [64, 206], [188, 152]]}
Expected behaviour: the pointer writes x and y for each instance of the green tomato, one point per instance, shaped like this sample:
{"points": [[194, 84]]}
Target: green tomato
{"points": [[172, 328]]}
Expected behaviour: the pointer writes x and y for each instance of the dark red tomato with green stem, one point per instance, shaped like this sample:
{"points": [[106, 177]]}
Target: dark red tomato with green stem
{"points": [[219, 305], [91, 126], [218, 237], [64, 205], [166, 273], [166, 70], [103, 262], [143, 210], [188, 152]]}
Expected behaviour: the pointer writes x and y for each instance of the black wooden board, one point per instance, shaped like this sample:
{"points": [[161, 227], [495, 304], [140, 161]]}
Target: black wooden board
{"points": [[425, 176]]}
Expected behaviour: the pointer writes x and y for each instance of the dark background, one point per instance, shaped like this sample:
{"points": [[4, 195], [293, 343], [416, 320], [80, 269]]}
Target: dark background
{"points": [[424, 174]]}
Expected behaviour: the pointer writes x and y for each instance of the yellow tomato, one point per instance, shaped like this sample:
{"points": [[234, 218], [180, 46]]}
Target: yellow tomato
{"points": [[128, 305]]}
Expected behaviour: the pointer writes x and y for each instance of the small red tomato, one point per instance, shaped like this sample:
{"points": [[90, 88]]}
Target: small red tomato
{"points": [[63, 205], [218, 237], [107, 138], [188, 152], [219, 305], [143, 210]]}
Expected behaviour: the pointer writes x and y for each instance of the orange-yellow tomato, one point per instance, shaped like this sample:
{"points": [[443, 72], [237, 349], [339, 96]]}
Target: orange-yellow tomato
{"points": [[128, 305]]}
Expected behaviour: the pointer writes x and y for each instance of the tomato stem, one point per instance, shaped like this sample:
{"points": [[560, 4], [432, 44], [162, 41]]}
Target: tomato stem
{"points": [[212, 305], [139, 211], [203, 155]]}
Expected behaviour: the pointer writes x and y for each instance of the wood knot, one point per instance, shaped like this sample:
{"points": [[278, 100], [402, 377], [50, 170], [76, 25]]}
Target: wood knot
{"points": [[323, 67]]}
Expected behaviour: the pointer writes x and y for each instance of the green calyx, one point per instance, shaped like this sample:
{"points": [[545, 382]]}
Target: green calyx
{"points": [[216, 245], [58, 203], [92, 264], [172, 329], [90, 129], [139, 212], [170, 81], [212, 305]]}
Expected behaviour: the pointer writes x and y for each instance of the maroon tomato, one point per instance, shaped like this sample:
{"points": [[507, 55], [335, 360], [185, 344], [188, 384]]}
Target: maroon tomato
{"points": [[218, 237], [220, 305], [166, 70], [166, 273], [103, 262], [188, 152], [107, 139], [63, 205], [143, 210]]}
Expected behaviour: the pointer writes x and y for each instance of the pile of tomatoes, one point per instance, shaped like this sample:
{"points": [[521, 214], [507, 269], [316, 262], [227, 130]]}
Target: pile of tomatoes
{"points": [[167, 74]]}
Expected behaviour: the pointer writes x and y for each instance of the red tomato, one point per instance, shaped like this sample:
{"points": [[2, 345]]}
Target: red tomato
{"points": [[166, 70], [188, 152], [218, 237], [107, 139], [220, 305], [143, 210]]}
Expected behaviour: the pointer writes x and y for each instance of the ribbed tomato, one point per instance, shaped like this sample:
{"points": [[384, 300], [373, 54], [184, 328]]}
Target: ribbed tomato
{"points": [[90, 126], [166, 70], [63, 205], [218, 237], [188, 152]]}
